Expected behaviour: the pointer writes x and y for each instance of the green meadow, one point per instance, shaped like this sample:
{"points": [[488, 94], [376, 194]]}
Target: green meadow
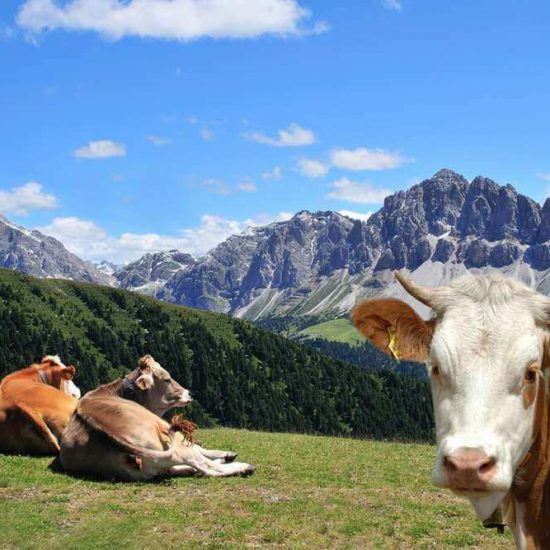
{"points": [[336, 330], [308, 492]]}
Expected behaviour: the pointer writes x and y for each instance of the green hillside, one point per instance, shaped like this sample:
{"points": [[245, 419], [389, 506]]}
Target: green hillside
{"points": [[240, 375], [307, 492], [337, 330]]}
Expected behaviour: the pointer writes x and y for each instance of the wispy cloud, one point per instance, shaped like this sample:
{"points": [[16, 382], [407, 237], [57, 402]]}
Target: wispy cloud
{"points": [[357, 193], [544, 176], [313, 168], [21, 200], [89, 240], [293, 136], [247, 186], [365, 159], [275, 174], [183, 20], [100, 150], [392, 4], [206, 134], [158, 140]]}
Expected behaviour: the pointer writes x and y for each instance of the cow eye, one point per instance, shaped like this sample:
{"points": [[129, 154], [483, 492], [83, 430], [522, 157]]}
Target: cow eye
{"points": [[435, 371], [530, 375]]}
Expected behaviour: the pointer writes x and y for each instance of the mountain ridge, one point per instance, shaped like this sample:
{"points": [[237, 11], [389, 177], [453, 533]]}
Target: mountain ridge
{"points": [[321, 263]]}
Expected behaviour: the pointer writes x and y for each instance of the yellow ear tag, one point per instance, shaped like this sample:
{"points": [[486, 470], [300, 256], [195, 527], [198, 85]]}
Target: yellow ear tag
{"points": [[393, 346]]}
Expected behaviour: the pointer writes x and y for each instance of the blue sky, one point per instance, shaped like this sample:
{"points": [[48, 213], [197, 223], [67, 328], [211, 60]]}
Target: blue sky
{"points": [[146, 124]]}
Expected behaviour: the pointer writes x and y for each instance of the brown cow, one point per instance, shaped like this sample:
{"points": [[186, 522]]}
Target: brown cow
{"points": [[116, 432], [487, 350], [36, 404]]}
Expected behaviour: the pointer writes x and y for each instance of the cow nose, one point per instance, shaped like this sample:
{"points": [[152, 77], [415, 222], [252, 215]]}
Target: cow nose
{"points": [[469, 469]]}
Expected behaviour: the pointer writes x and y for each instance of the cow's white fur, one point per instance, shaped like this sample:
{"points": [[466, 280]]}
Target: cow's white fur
{"points": [[489, 330], [70, 388]]}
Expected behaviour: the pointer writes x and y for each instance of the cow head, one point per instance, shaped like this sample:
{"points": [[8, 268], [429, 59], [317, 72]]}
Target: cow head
{"points": [[56, 374], [155, 389], [484, 349]]}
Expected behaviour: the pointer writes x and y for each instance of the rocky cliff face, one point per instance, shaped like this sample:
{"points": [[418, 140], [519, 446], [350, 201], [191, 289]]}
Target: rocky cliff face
{"points": [[148, 274], [42, 256], [323, 262]]}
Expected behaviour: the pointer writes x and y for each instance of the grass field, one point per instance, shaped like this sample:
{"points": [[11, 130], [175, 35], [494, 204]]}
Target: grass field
{"points": [[314, 492], [337, 330]]}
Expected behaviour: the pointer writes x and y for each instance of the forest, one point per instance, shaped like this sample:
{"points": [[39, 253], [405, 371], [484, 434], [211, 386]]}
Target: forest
{"points": [[240, 375]]}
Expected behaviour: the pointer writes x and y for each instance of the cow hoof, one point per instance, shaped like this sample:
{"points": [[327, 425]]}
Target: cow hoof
{"points": [[230, 457], [249, 470]]}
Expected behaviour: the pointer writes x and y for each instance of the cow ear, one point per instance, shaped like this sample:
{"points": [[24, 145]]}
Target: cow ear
{"points": [[144, 382], [394, 328], [146, 363], [69, 373]]}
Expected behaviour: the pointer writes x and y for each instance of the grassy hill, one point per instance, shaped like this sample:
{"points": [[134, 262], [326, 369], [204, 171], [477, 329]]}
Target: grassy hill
{"points": [[240, 375], [311, 492], [337, 330]]}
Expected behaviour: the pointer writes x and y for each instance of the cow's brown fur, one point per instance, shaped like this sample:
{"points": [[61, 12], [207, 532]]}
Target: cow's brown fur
{"points": [[34, 414], [531, 488], [373, 318]]}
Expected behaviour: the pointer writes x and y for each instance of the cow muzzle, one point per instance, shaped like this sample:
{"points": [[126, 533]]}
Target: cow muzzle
{"points": [[469, 470], [185, 398]]}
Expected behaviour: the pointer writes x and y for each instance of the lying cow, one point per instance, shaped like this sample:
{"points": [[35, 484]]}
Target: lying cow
{"points": [[487, 350], [36, 404], [117, 432]]}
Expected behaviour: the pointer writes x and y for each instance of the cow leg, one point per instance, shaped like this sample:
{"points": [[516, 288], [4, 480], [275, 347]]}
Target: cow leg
{"points": [[42, 427], [226, 456], [181, 470], [207, 467]]}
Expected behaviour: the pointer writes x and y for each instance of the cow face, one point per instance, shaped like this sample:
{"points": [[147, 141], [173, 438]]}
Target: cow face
{"points": [[158, 391], [60, 376], [484, 351]]}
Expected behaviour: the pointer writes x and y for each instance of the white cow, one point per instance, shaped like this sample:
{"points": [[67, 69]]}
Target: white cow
{"points": [[486, 349]]}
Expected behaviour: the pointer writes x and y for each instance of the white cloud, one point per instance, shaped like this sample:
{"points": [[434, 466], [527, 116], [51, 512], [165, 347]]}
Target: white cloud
{"points": [[21, 200], [293, 136], [183, 20], [206, 134], [313, 168], [392, 4], [363, 216], [365, 159], [158, 140], [100, 149], [90, 241], [357, 193], [247, 187], [545, 176], [275, 174]]}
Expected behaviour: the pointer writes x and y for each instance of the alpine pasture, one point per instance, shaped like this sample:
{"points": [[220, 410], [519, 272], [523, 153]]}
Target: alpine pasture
{"points": [[308, 491]]}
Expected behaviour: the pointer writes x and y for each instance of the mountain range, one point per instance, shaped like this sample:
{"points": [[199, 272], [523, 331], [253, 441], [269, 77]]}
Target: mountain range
{"points": [[322, 263]]}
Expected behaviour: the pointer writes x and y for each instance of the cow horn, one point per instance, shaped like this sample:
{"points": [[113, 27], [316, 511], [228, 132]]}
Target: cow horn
{"points": [[423, 294]]}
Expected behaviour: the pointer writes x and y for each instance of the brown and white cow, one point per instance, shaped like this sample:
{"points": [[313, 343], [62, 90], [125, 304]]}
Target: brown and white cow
{"points": [[36, 404], [487, 351], [117, 432]]}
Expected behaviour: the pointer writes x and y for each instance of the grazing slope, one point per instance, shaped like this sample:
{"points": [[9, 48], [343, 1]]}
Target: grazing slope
{"points": [[240, 374], [310, 492]]}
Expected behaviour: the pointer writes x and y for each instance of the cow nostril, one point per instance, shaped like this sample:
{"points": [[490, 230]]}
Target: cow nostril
{"points": [[449, 464], [488, 465]]}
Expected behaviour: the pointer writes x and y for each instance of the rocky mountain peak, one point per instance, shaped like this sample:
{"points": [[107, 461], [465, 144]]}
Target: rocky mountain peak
{"points": [[43, 256]]}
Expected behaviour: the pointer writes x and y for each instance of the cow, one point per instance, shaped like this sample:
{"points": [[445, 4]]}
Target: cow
{"points": [[487, 350], [117, 432], [36, 404]]}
